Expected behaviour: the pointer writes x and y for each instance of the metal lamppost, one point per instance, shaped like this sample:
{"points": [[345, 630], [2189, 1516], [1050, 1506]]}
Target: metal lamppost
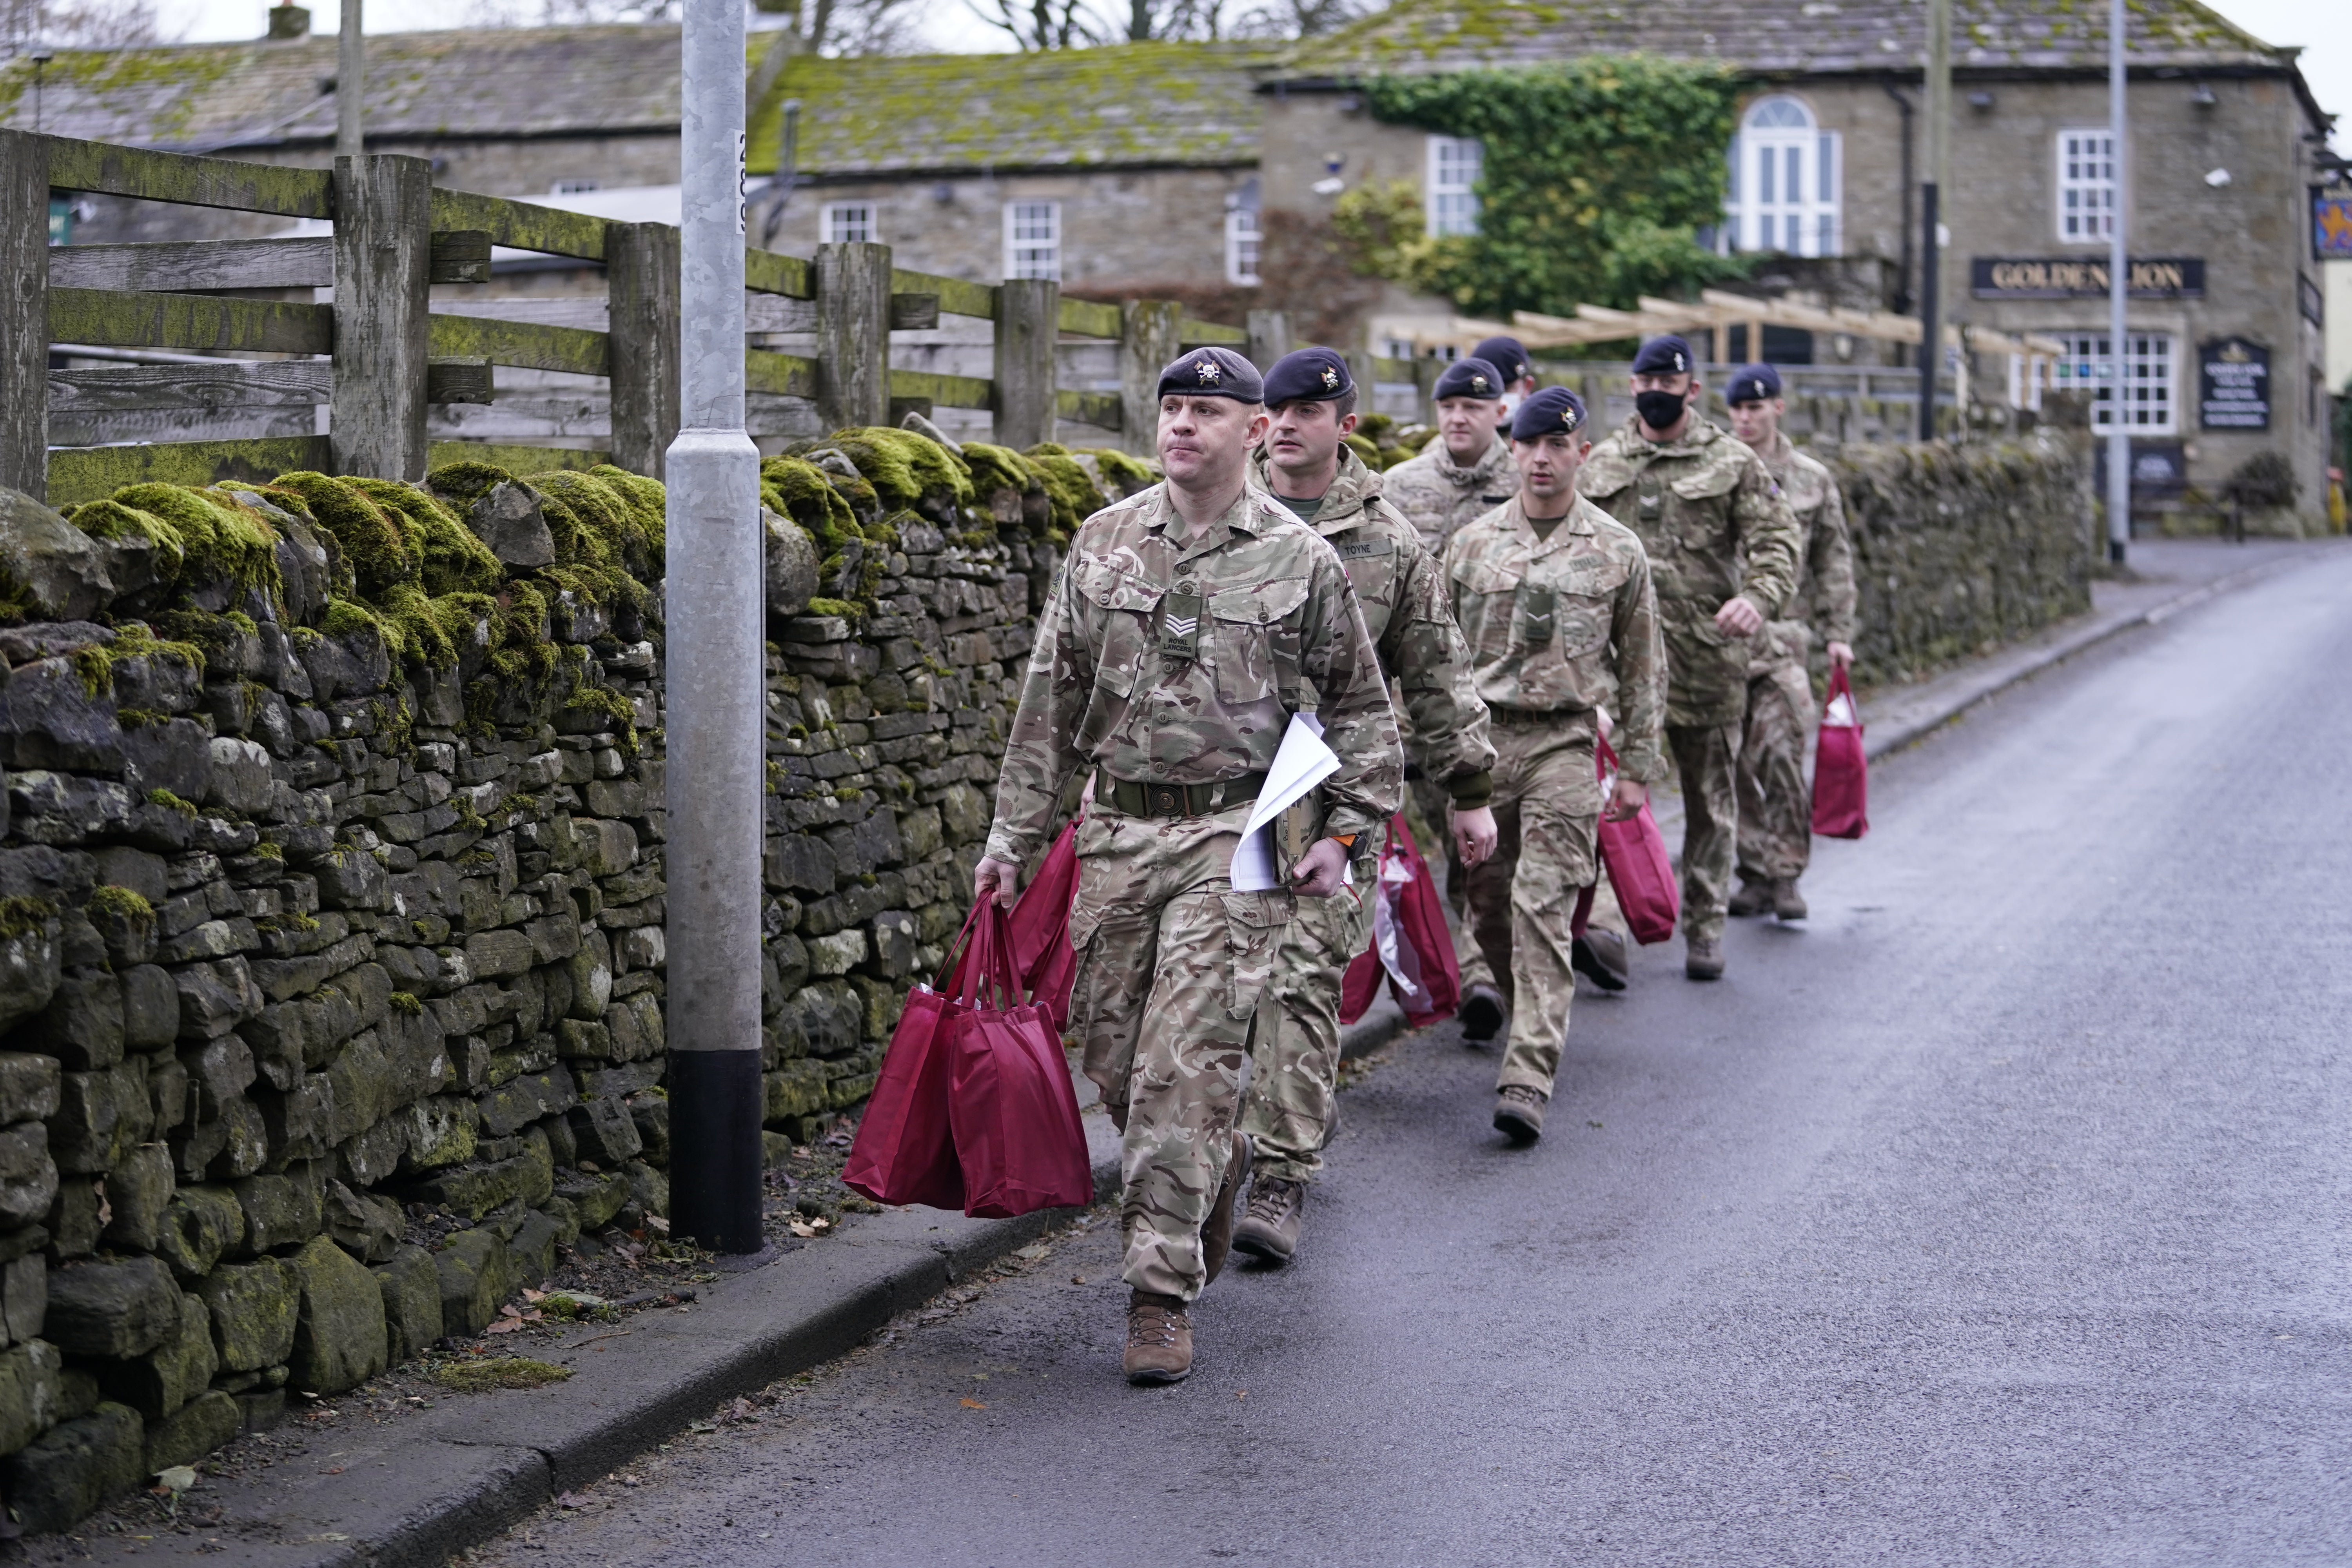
{"points": [[1931, 218], [350, 84], [715, 676], [2119, 293]]}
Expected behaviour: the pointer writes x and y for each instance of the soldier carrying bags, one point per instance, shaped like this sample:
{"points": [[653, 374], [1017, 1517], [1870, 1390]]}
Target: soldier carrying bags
{"points": [[1775, 817], [1304, 464], [1723, 551], [1554, 598], [1190, 624]]}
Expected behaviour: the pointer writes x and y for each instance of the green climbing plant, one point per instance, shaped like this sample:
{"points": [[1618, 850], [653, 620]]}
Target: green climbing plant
{"points": [[1597, 173]]}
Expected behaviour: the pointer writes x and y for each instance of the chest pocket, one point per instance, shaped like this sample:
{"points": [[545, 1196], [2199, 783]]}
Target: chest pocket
{"points": [[1127, 607], [1372, 566], [1585, 595], [1255, 655], [1703, 508], [1486, 601]]}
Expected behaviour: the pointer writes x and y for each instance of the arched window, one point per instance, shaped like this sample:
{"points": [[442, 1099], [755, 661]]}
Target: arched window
{"points": [[1787, 179]]}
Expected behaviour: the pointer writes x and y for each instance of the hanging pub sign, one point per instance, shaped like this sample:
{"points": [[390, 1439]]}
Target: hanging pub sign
{"points": [[2233, 385], [2072, 276], [2331, 224]]}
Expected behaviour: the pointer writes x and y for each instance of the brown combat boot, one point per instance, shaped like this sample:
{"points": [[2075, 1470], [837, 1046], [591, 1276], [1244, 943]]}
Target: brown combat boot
{"points": [[1217, 1231], [1269, 1231], [1703, 958], [1599, 956], [1755, 896], [1159, 1338], [1481, 1012], [1519, 1113], [1787, 902]]}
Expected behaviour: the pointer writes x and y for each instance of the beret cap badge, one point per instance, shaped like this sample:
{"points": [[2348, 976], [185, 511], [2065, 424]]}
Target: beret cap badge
{"points": [[1210, 371], [1330, 376]]}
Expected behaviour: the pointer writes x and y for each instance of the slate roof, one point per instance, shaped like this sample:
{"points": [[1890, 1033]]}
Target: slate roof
{"points": [[1826, 37], [478, 81], [1130, 104]]}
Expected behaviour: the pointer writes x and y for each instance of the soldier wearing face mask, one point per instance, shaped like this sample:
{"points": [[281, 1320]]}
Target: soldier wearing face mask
{"points": [[1723, 550]]}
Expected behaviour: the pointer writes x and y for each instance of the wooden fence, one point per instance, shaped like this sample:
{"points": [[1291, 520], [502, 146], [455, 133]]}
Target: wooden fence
{"points": [[380, 356]]}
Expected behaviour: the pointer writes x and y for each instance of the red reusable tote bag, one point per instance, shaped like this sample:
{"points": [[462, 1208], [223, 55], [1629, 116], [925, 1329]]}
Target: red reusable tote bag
{"points": [[1841, 772], [1412, 946], [1039, 928], [1010, 1101], [1635, 854], [905, 1151]]}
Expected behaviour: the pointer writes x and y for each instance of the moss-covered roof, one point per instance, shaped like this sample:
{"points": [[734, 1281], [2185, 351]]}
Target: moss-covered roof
{"points": [[475, 81], [1129, 104], [1824, 37]]}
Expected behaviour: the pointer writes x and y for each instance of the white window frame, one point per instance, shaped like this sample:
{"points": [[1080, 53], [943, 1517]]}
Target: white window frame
{"points": [[2083, 210], [850, 222], [1450, 191], [1781, 145], [2151, 380], [1033, 240], [1241, 238]]}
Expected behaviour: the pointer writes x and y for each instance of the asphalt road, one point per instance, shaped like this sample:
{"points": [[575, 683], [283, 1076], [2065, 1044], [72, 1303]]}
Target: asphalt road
{"points": [[1998, 1215]]}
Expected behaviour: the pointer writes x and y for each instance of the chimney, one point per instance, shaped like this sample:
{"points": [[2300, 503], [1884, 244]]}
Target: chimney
{"points": [[289, 21]]}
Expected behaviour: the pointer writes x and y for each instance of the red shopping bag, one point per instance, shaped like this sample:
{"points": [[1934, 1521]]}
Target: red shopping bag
{"points": [[1633, 853], [1841, 772], [1039, 928], [1412, 946], [905, 1149], [1010, 1101]]}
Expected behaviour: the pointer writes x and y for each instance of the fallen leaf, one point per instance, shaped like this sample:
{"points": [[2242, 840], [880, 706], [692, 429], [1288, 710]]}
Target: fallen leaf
{"points": [[531, 1295], [972, 1405], [820, 1223], [504, 1326], [1033, 1251], [801, 1228], [657, 1225], [179, 1477], [336, 1470]]}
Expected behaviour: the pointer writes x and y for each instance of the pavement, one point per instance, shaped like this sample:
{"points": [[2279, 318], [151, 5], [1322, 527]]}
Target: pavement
{"points": [[1995, 1214]]}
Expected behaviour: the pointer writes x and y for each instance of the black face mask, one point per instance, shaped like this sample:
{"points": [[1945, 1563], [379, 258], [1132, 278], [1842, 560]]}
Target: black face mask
{"points": [[1659, 410]]}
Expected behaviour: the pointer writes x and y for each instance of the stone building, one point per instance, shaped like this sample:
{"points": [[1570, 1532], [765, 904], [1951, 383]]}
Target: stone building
{"points": [[2225, 356]]}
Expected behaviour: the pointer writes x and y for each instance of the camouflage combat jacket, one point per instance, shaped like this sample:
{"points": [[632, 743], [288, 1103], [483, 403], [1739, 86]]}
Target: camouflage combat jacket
{"points": [[1158, 661], [1824, 598], [1440, 494], [1402, 594], [1715, 525], [1565, 624]]}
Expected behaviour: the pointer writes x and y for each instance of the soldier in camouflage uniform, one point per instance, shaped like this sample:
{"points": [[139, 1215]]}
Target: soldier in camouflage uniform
{"points": [[1724, 549], [1463, 473], [1288, 1112], [1554, 599], [1189, 623], [1776, 828]]}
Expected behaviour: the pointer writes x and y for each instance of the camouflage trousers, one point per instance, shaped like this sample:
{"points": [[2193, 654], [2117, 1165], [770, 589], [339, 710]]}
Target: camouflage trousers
{"points": [[1522, 899], [1426, 797], [1706, 761], [1776, 805], [1289, 1112], [1171, 964]]}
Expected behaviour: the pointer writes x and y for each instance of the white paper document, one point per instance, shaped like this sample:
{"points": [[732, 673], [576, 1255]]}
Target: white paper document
{"points": [[1301, 763]]}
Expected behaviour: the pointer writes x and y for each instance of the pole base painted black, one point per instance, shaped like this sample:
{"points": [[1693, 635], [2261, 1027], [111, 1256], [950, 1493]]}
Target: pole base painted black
{"points": [[716, 1158], [1931, 301]]}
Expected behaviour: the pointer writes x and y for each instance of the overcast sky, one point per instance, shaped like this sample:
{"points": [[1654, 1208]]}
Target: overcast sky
{"points": [[2322, 27]]}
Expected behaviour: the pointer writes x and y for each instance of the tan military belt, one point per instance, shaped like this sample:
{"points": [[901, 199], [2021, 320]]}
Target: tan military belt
{"points": [[1523, 717], [1133, 799]]}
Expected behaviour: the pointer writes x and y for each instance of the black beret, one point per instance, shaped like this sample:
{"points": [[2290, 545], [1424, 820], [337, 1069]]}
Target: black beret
{"points": [[1308, 375], [1668, 355], [1547, 411], [1472, 377], [1753, 384], [1212, 372], [1505, 354]]}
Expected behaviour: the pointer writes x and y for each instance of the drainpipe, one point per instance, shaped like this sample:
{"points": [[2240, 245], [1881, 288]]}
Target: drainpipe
{"points": [[1903, 279]]}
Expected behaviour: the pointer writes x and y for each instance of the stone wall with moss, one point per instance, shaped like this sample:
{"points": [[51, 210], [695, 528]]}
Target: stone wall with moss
{"points": [[331, 897]]}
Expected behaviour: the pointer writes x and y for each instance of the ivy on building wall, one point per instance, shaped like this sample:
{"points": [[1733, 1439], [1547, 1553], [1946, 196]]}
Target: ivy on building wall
{"points": [[1597, 172]]}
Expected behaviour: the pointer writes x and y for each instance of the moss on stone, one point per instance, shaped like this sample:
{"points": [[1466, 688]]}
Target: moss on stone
{"points": [[24, 914], [1071, 490], [800, 491], [451, 557], [171, 802], [505, 1372], [1129, 473], [406, 1003], [997, 469], [904, 467], [463, 484], [95, 662], [376, 544], [213, 535], [842, 607]]}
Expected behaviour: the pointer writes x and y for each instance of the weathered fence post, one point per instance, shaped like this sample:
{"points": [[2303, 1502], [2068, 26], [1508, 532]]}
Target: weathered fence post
{"points": [[853, 334], [24, 312], [1028, 324], [1269, 338], [1149, 341], [1426, 369], [383, 271], [641, 280]]}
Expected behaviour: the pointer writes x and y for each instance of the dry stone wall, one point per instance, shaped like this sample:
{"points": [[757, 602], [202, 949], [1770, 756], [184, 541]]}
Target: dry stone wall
{"points": [[331, 897]]}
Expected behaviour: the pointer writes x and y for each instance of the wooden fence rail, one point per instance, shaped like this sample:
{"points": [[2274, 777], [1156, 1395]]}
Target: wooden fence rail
{"points": [[380, 356]]}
